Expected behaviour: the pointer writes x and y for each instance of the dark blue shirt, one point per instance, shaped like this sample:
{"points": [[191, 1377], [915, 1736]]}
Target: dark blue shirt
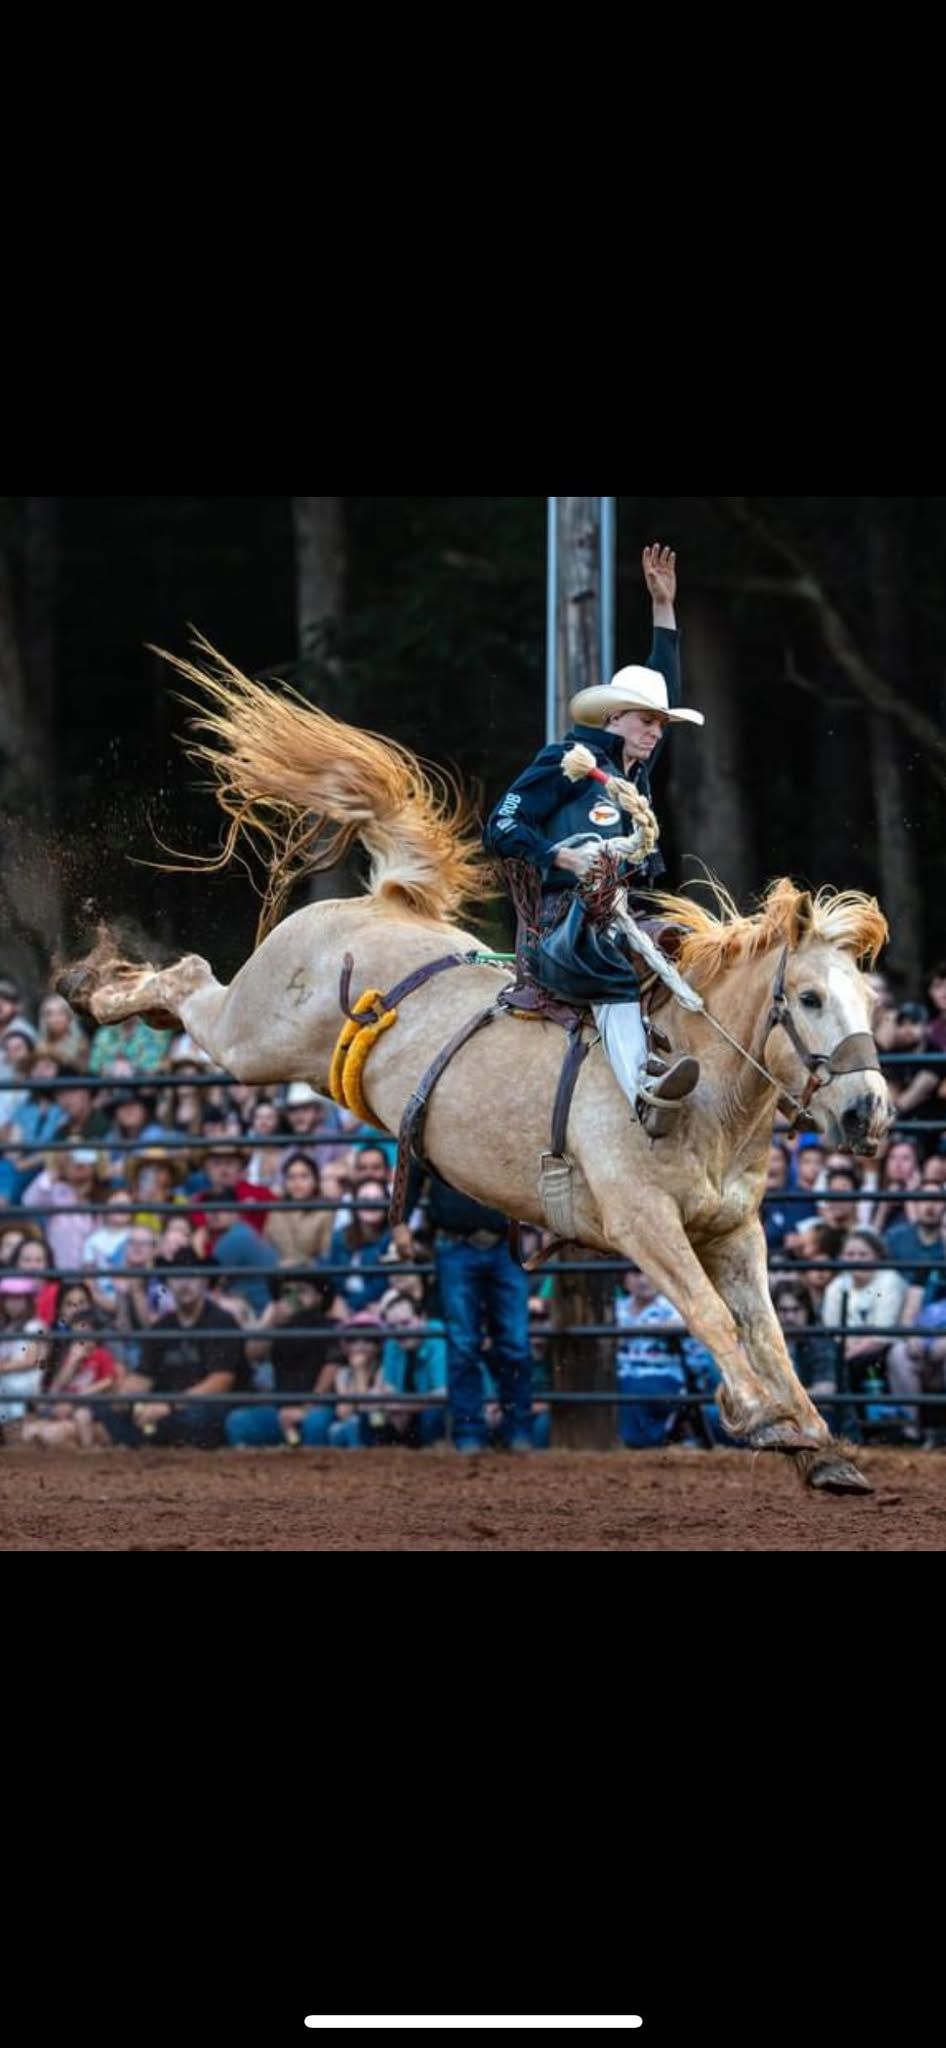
{"points": [[542, 807], [905, 1243]]}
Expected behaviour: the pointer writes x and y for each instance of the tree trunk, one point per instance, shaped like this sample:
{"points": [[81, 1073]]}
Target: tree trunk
{"points": [[41, 633], [15, 735], [585, 1362], [710, 790], [577, 601], [899, 883], [30, 890], [898, 887], [320, 574]]}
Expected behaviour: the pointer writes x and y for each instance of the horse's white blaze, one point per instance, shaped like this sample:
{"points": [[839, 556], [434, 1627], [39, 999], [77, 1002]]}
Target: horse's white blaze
{"points": [[847, 1005]]}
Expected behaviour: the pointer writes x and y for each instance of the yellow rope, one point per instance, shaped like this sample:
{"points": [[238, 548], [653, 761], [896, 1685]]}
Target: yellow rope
{"points": [[348, 1060]]}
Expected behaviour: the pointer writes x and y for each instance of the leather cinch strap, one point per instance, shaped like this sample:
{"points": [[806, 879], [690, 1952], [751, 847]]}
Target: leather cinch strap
{"points": [[411, 1127]]}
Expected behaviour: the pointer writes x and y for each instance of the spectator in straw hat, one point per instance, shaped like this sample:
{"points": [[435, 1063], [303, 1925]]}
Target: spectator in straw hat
{"points": [[153, 1175], [559, 828], [308, 1116], [224, 1177]]}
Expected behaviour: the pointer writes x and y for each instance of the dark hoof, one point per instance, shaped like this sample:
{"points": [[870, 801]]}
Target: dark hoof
{"points": [[838, 1475], [781, 1436], [78, 985]]}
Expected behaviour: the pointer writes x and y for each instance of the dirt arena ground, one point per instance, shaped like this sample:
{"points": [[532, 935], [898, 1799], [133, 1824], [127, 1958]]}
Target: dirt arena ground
{"points": [[403, 1500]]}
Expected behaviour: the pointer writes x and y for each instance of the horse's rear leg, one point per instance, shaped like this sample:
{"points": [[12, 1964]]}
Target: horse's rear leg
{"points": [[108, 988]]}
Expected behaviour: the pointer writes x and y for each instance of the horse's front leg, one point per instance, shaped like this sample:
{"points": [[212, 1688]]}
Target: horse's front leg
{"points": [[653, 1236], [737, 1265]]}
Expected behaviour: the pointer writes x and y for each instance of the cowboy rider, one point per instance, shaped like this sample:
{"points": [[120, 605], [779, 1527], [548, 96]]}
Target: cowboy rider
{"points": [[624, 723]]}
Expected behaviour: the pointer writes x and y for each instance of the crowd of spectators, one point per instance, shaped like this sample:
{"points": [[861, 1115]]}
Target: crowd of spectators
{"points": [[155, 1257], [146, 1251]]}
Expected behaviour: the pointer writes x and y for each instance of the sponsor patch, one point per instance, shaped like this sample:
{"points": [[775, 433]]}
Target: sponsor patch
{"points": [[604, 814]]}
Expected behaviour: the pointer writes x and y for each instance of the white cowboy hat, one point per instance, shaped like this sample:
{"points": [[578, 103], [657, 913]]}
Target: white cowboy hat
{"points": [[299, 1094], [632, 689]]}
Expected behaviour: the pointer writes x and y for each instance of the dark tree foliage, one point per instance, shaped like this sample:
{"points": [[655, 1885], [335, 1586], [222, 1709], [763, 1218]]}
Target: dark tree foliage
{"points": [[828, 616]]}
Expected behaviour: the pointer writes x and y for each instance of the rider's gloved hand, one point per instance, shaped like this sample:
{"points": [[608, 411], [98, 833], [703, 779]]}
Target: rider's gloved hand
{"points": [[580, 861]]}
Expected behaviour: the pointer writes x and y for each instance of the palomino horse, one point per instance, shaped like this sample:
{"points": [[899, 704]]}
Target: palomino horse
{"points": [[686, 1209]]}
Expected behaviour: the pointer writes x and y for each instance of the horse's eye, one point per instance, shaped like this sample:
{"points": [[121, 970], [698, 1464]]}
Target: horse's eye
{"points": [[811, 999]]}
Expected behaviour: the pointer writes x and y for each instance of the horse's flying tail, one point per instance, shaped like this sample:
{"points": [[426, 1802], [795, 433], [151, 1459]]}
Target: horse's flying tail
{"points": [[299, 787]]}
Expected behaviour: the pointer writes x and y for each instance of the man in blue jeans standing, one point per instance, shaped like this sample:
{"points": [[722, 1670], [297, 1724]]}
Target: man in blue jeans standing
{"points": [[480, 1284]]}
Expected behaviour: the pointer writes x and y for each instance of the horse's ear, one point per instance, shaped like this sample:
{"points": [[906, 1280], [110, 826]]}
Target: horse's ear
{"points": [[801, 918]]}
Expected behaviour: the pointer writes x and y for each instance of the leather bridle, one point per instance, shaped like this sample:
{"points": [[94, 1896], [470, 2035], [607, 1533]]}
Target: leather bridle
{"points": [[855, 1054]]}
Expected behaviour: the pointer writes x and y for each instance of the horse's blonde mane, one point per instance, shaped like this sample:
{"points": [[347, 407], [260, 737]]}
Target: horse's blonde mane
{"points": [[786, 915], [300, 787]]}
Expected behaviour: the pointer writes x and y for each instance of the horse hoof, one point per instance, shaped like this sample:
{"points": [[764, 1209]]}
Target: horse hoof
{"points": [[78, 985], [838, 1475], [781, 1436]]}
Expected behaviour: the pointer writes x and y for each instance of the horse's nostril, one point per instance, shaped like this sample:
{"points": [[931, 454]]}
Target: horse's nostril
{"points": [[857, 1119]]}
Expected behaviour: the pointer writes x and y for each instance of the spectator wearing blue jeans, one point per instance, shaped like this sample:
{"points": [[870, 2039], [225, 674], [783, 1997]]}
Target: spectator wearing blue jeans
{"points": [[481, 1289]]}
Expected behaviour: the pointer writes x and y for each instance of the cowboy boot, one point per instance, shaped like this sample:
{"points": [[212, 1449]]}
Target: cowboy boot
{"points": [[661, 1097]]}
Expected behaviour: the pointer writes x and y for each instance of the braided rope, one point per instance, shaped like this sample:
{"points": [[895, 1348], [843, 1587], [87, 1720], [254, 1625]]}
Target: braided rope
{"points": [[579, 762]]}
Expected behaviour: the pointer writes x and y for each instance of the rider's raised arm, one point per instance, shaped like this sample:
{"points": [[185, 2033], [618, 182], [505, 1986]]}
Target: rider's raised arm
{"points": [[660, 575]]}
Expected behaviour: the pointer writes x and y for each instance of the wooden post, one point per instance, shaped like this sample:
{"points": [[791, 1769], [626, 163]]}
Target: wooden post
{"points": [[581, 1362]]}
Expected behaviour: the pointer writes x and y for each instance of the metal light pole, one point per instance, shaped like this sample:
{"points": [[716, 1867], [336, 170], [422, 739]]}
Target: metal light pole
{"points": [[579, 655]]}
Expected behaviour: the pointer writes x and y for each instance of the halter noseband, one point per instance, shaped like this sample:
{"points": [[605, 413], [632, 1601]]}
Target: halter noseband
{"points": [[855, 1054]]}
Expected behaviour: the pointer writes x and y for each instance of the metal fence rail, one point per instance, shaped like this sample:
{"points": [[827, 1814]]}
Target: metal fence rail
{"points": [[683, 1398], [354, 1141]]}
